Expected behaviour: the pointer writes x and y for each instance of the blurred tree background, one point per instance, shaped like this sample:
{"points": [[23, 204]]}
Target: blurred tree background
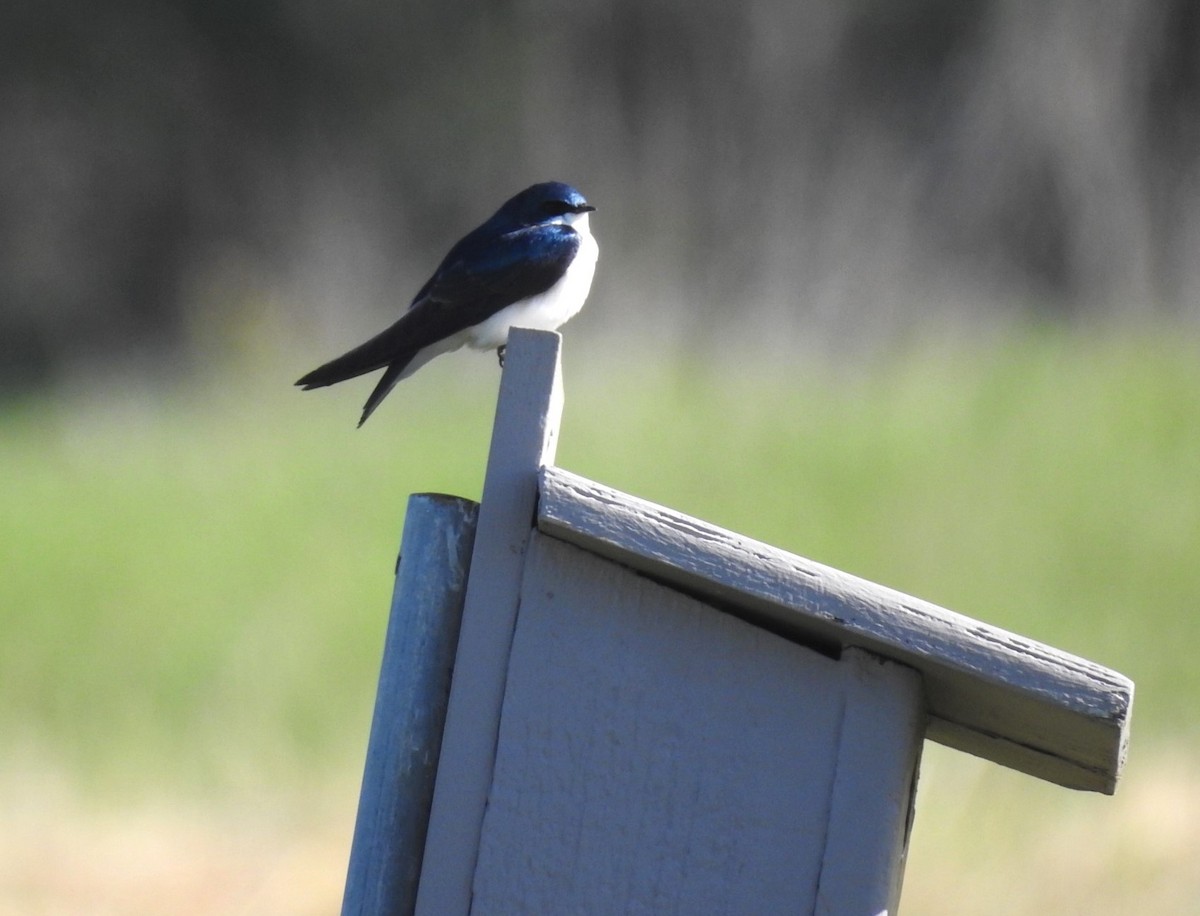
{"points": [[911, 288], [826, 172]]}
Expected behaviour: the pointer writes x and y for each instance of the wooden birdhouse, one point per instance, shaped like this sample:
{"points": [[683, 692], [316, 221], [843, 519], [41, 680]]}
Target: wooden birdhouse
{"points": [[644, 713]]}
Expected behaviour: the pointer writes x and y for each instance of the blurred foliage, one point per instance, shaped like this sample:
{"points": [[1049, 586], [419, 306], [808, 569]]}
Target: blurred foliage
{"points": [[196, 580], [832, 171]]}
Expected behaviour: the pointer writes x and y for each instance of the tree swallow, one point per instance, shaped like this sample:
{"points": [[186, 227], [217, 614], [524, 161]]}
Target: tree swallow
{"points": [[530, 265]]}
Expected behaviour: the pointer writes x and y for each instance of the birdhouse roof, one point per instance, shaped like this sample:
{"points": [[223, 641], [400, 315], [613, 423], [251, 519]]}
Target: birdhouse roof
{"points": [[989, 692]]}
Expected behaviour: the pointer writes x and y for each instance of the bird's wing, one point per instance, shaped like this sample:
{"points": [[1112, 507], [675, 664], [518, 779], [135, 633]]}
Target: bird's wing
{"points": [[480, 276]]}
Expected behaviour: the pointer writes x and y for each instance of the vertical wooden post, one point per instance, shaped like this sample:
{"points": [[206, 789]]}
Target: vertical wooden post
{"points": [[410, 705], [524, 437]]}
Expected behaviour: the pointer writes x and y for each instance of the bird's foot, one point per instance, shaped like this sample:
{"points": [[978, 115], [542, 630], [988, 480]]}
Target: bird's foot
{"points": [[500, 354]]}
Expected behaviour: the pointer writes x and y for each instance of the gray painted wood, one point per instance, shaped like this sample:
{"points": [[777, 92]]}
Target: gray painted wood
{"points": [[410, 705], [657, 755], [990, 692], [524, 436], [874, 786]]}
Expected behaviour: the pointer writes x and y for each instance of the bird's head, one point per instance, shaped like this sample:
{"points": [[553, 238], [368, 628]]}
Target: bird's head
{"points": [[548, 202]]}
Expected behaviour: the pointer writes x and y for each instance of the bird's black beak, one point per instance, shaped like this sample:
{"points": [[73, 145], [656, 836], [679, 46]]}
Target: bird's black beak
{"points": [[582, 208]]}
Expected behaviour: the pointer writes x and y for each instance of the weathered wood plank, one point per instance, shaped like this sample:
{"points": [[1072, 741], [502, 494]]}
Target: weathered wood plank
{"points": [[874, 786], [989, 692], [410, 705], [524, 436], [656, 755]]}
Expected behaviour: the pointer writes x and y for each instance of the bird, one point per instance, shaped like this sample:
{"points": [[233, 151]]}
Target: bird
{"points": [[529, 265]]}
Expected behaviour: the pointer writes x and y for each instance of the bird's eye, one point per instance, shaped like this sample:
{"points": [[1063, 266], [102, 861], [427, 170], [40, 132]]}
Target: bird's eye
{"points": [[556, 207]]}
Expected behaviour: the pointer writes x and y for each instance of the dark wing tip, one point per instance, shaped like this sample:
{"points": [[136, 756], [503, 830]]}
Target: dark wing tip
{"points": [[319, 378], [306, 381], [368, 409]]}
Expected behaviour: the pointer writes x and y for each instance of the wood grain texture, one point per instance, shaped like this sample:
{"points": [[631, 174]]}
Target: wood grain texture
{"points": [[410, 705], [657, 755], [524, 436], [990, 692], [874, 786]]}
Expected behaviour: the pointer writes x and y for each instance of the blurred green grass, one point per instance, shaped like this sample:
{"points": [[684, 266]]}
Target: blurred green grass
{"points": [[196, 575]]}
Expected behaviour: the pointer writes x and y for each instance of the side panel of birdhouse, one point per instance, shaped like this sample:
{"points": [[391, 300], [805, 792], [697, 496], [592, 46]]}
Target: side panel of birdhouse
{"points": [[655, 754]]}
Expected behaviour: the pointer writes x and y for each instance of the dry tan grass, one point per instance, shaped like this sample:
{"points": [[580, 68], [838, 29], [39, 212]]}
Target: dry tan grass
{"points": [[989, 841], [986, 842], [62, 854]]}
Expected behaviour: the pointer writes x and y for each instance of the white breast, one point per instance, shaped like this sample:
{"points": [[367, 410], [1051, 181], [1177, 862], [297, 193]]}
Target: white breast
{"points": [[549, 310]]}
